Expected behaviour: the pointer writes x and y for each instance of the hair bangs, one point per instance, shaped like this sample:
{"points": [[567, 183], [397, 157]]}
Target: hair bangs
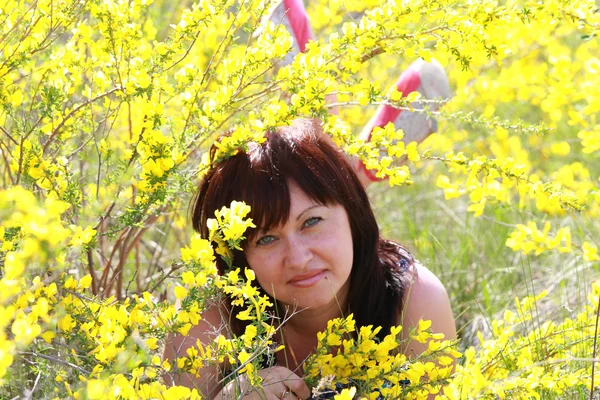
{"points": [[259, 185], [260, 177], [264, 180], [315, 166]]}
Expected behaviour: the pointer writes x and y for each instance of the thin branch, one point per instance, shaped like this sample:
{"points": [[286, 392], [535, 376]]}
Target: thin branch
{"points": [[126, 246], [268, 89], [37, 90], [212, 58], [380, 50], [108, 265], [595, 348], [106, 214], [585, 21], [17, 23], [152, 219], [29, 394], [83, 144], [187, 52], [8, 134], [6, 163], [91, 270], [56, 360], [391, 104], [16, 49], [158, 249], [174, 268], [119, 271], [137, 270], [73, 112], [108, 114]]}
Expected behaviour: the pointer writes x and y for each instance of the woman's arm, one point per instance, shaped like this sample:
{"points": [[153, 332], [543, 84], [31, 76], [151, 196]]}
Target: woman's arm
{"points": [[209, 328], [425, 298], [278, 382]]}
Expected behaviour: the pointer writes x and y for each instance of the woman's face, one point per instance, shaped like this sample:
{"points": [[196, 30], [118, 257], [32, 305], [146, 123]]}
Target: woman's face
{"points": [[307, 261]]}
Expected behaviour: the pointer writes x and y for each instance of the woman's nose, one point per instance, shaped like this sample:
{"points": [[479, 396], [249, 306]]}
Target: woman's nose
{"points": [[298, 253]]}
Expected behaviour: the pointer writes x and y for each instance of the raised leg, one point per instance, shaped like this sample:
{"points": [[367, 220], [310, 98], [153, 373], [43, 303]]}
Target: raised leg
{"points": [[292, 15], [428, 78]]}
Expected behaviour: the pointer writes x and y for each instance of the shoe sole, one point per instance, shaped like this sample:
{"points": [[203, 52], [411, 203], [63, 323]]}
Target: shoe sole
{"points": [[292, 15], [433, 85], [431, 81]]}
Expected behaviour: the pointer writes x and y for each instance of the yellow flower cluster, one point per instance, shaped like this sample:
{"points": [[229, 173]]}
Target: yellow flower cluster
{"points": [[590, 139], [157, 159], [27, 233], [528, 238], [389, 139], [489, 181], [239, 139], [524, 359], [543, 77], [230, 224], [348, 356], [247, 350], [40, 319], [53, 177]]}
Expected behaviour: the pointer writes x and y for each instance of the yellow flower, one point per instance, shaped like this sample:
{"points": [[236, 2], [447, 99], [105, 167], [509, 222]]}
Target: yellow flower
{"points": [[590, 252], [81, 236], [412, 152], [199, 251], [346, 394], [188, 278], [152, 343], [333, 340], [96, 388], [249, 335], [71, 283], [180, 292], [85, 282], [48, 336], [66, 323], [25, 330]]}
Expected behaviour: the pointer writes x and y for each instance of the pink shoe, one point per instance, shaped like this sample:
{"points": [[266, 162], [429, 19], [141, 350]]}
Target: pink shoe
{"points": [[292, 15], [427, 78]]}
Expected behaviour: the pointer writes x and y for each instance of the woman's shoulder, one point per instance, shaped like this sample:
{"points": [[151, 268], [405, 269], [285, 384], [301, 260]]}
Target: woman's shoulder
{"points": [[422, 282], [425, 298]]}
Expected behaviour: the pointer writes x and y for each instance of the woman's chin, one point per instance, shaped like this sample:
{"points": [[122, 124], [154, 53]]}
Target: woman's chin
{"points": [[314, 298], [313, 303]]}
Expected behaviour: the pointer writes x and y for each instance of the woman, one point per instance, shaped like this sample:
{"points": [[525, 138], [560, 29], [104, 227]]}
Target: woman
{"points": [[316, 249]]}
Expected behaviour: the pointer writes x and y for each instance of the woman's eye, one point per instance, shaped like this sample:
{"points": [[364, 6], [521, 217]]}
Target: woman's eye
{"points": [[265, 240], [312, 221]]}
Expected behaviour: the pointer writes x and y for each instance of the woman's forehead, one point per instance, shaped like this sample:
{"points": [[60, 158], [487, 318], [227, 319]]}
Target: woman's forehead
{"points": [[288, 204]]}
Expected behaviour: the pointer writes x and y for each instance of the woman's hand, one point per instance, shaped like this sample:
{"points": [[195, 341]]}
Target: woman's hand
{"points": [[278, 383]]}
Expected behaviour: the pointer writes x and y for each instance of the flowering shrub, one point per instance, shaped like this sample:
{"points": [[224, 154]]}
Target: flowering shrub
{"points": [[107, 109]]}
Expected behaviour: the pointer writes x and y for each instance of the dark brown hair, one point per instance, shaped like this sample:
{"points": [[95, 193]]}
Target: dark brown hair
{"points": [[302, 153]]}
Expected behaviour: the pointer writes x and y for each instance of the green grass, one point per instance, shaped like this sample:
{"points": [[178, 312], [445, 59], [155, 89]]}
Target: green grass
{"points": [[468, 254]]}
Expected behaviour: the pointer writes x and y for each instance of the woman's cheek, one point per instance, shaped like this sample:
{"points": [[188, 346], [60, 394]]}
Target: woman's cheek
{"points": [[267, 274]]}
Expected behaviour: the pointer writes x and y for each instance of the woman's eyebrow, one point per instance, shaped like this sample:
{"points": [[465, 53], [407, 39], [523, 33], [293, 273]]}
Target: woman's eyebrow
{"points": [[306, 210]]}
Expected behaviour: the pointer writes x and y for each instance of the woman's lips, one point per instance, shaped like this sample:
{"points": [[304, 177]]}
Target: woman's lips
{"points": [[308, 279]]}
